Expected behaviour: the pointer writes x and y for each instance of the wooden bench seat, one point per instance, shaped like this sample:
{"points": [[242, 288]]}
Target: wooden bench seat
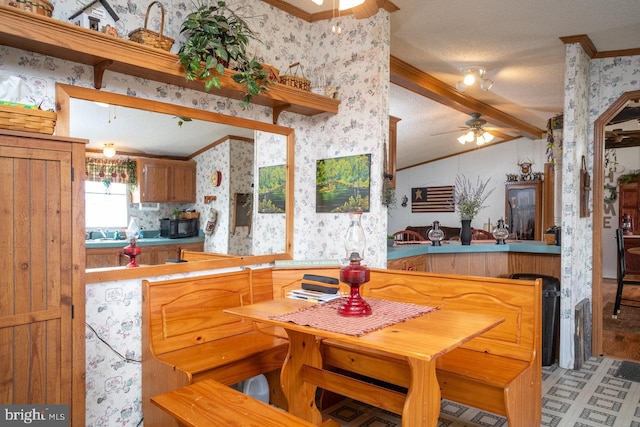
{"points": [[210, 403], [499, 371], [187, 338]]}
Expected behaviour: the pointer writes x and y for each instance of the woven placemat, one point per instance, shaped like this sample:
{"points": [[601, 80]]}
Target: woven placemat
{"points": [[383, 313]]}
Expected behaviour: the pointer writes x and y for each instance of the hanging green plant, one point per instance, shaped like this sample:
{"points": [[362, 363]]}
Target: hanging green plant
{"points": [[217, 35], [629, 177]]}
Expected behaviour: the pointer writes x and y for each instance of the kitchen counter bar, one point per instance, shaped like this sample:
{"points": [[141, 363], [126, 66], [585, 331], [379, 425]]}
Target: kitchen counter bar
{"points": [[531, 246], [153, 241]]}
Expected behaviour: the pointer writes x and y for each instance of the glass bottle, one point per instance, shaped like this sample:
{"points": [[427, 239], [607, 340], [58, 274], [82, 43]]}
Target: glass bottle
{"points": [[435, 234]]}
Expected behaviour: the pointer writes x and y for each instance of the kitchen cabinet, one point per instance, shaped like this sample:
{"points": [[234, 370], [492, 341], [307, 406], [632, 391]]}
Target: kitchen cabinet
{"points": [[150, 255], [42, 294], [411, 263], [523, 209], [165, 181]]}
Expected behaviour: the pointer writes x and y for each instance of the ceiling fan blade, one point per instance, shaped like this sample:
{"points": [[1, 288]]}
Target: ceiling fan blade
{"points": [[450, 131]]}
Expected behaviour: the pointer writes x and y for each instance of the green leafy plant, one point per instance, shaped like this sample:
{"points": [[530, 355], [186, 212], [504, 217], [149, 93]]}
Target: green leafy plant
{"points": [[469, 198], [217, 35]]}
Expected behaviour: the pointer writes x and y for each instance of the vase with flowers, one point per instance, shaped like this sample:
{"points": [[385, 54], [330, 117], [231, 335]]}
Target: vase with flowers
{"points": [[469, 200]]}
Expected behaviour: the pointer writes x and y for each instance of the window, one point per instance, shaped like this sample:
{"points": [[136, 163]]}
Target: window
{"points": [[106, 209]]}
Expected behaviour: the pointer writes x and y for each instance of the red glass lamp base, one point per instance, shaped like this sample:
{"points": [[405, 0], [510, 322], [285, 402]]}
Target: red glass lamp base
{"points": [[354, 275], [132, 263], [132, 251]]}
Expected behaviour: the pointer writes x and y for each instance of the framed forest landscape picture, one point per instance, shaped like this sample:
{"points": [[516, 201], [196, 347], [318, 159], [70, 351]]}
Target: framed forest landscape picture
{"points": [[272, 183], [343, 184]]}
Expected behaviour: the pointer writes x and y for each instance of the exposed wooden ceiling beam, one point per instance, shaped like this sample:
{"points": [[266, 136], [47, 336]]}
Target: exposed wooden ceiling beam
{"points": [[415, 80]]}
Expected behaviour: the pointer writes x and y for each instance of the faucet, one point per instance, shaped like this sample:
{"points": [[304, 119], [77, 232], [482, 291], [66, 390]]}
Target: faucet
{"points": [[104, 235]]}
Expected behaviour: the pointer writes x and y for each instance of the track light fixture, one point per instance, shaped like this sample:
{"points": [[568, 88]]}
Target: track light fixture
{"points": [[473, 75]]}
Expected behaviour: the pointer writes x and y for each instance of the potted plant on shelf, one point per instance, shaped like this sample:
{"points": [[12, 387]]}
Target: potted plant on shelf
{"points": [[216, 36], [469, 201]]}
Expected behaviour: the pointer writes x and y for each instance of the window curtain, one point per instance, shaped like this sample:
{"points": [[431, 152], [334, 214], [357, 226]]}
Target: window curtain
{"points": [[110, 171]]}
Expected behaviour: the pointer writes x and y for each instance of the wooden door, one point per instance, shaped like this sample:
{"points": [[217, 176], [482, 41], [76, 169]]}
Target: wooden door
{"points": [[36, 279]]}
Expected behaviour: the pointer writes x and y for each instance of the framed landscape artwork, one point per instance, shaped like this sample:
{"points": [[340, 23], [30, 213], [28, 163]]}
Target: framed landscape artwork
{"points": [[343, 184], [272, 182]]}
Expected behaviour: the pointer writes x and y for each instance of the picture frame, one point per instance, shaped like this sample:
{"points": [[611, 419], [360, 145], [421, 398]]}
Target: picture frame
{"points": [[241, 211], [272, 186], [343, 184]]}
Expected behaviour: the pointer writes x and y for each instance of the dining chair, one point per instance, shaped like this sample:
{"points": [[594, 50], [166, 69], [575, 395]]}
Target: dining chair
{"points": [[405, 236], [623, 278]]}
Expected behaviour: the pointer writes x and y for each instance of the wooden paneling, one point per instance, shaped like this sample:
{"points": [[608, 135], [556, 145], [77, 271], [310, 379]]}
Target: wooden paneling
{"points": [[488, 264], [149, 255], [41, 361], [546, 264]]}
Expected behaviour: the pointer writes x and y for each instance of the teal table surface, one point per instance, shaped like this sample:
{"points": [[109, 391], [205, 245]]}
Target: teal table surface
{"points": [[531, 246]]}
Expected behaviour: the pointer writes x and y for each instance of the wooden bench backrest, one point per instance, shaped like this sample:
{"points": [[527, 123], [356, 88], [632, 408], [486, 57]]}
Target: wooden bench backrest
{"points": [[187, 312], [518, 301]]}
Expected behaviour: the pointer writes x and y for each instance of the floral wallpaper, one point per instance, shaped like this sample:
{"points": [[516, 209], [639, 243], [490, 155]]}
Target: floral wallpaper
{"points": [[591, 86], [356, 63]]}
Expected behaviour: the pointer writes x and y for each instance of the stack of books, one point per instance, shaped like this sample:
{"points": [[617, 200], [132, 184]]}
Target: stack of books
{"points": [[312, 296], [317, 289]]}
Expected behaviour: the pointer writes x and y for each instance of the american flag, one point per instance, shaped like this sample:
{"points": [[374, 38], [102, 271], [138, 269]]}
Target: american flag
{"points": [[432, 199]]}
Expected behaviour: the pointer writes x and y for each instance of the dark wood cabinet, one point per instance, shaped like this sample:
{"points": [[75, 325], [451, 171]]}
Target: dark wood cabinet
{"points": [[629, 203], [523, 209]]}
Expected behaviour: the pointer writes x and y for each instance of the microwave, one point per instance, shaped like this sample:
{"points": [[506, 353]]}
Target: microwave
{"points": [[177, 228]]}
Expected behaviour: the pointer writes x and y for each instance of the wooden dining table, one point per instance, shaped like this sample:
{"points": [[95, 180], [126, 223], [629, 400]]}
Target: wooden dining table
{"points": [[420, 340]]}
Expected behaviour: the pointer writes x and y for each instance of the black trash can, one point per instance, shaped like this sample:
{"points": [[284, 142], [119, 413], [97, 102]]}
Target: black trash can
{"points": [[550, 314]]}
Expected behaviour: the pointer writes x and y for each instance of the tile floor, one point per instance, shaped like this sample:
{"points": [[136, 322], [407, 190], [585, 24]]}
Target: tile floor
{"points": [[590, 397]]}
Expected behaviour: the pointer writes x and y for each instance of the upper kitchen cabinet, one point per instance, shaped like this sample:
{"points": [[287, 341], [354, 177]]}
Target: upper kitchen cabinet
{"points": [[165, 181]]}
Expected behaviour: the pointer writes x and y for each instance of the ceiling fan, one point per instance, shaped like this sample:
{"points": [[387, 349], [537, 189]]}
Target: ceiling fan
{"points": [[476, 131], [618, 138]]}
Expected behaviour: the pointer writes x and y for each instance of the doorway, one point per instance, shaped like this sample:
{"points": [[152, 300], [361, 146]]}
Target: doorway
{"points": [[598, 209]]}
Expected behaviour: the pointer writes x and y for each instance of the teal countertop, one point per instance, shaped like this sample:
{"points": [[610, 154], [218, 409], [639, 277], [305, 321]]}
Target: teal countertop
{"points": [[531, 246], [153, 241]]}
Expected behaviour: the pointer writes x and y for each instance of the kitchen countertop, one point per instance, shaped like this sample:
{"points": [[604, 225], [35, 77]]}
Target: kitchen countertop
{"points": [[528, 246], [149, 241]]}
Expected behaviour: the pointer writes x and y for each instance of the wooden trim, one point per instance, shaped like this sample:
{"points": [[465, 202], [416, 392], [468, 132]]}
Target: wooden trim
{"points": [[415, 80], [591, 50], [365, 10], [598, 208]]}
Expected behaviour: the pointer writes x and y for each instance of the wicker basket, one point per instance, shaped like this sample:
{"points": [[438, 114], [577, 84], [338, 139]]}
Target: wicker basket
{"points": [[151, 38], [39, 7], [26, 119], [293, 80]]}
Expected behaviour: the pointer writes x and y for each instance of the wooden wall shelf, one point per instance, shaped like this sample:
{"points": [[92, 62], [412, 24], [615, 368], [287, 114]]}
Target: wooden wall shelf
{"points": [[55, 38]]}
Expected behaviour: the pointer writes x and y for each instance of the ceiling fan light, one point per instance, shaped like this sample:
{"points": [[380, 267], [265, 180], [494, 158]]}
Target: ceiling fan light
{"points": [[470, 136], [462, 139], [486, 84], [318, 2], [109, 150], [348, 4], [487, 136]]}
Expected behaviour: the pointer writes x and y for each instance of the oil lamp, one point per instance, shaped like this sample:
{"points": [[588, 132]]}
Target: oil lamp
{"points": [[435, 234], [627, 225], [354, 273], [132, 251], [500, 233]]}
